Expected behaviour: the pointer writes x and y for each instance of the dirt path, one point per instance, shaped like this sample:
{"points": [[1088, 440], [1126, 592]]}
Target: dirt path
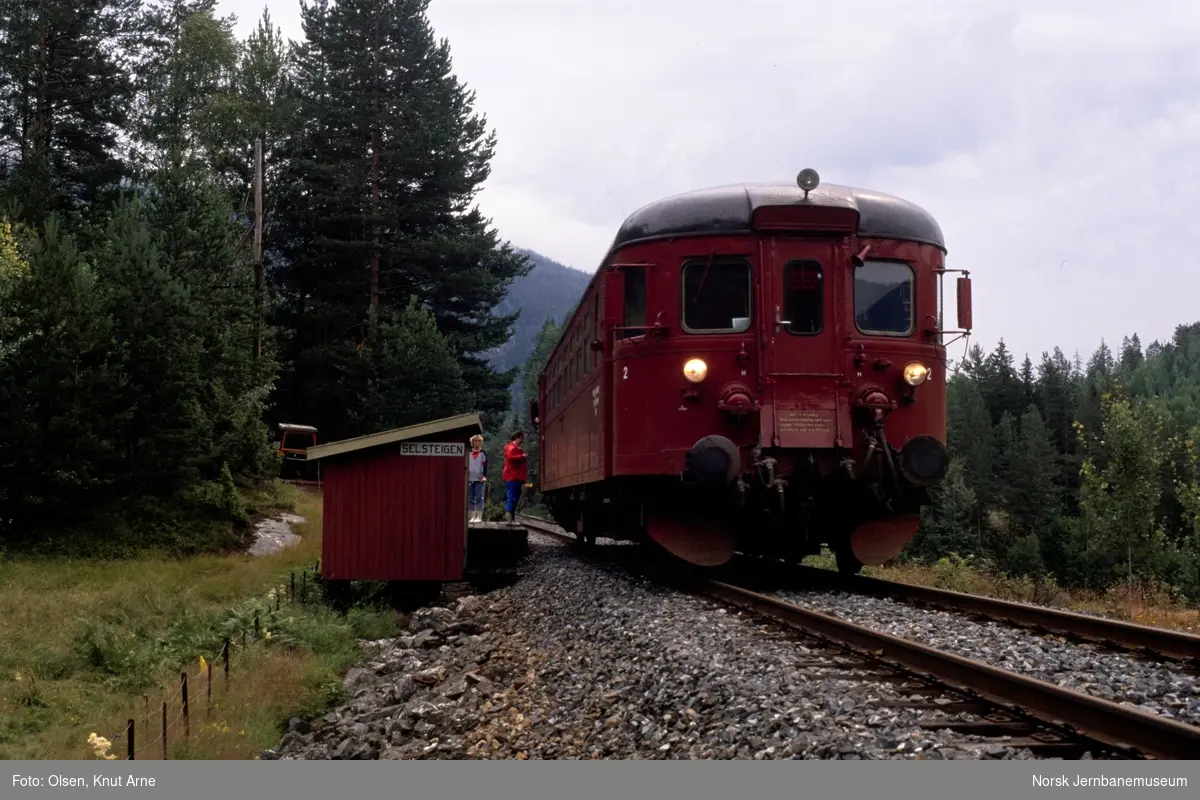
{"points": [[272, 535]]}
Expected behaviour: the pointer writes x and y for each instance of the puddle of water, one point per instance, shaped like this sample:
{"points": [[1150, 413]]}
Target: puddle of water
{"points": [[272, 535]]}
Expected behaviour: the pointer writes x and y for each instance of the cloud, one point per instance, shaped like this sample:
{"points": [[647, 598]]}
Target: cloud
{"points": [[1036, 132]]}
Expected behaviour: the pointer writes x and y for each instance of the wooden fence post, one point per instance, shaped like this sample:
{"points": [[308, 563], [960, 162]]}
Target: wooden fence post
{"points": [[187, 724], [304, 586], [164, 730], [208, 691], [225, 654], [292, 589], [129, 739], [257, 629]]}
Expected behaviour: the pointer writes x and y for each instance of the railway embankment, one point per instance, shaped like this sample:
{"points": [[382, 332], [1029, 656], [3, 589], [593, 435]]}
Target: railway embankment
{"points": [[585, 660]]}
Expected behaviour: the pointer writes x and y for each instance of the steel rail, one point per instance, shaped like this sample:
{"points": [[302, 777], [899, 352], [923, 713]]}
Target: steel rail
{"points": [[1120, 726], [1175, 644]]}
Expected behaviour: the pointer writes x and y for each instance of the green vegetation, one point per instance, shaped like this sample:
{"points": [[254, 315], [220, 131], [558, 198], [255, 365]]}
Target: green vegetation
{"points": [[144, 357], [83, 644], [1084, 478]]}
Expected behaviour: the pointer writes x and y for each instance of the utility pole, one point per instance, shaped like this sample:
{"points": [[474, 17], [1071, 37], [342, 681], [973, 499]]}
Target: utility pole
{"points": [[258, 258], [374, 307]]}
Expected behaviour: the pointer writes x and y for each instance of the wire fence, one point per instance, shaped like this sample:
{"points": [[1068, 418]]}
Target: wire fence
{"points": [[181, 706]]}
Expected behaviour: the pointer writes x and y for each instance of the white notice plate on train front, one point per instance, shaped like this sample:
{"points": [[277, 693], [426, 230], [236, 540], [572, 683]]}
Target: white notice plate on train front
{"points": [[433, 449]]}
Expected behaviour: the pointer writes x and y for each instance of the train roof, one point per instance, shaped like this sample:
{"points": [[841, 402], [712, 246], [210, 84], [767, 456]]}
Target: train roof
{"points": [[730, 209]]}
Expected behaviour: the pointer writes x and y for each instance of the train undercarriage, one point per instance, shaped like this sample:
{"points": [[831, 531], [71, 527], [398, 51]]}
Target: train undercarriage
{"points": [[788, 507]]}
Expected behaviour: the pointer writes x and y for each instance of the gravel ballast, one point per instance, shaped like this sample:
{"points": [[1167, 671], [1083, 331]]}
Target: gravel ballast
{"points": [[583, 660], [1157, 687]]}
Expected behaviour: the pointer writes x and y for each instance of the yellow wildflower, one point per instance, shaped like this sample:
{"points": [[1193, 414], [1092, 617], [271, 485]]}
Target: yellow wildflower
{"points": [[267, 636], [100, 746], [16, 676], [203, 665]]}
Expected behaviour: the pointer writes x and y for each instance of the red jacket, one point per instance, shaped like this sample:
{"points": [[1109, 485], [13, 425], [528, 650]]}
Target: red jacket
{"points": [[515, 467]]}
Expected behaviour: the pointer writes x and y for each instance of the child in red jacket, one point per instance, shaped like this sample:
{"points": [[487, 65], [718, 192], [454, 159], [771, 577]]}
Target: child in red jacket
{"points": [[516, 471]]}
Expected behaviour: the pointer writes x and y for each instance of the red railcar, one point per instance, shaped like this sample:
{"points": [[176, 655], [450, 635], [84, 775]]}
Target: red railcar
{"points": [[757, 368]]}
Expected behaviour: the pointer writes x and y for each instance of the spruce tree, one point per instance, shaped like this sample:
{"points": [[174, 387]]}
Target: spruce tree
{"points": [[1006, 461], [408, 375], [53, 452], [969, 431], [155, 412], [1033, 474]]}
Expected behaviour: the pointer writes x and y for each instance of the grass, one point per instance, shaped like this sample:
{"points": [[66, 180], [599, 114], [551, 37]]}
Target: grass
{"points": [[87, 644], [956, 574]]}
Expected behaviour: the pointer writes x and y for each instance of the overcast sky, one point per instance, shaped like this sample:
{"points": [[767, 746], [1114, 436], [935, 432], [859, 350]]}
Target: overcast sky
{"points": [[1057, 143]]}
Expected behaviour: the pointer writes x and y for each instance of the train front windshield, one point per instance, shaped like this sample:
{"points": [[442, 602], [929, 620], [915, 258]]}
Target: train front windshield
{"points": [[883, 298], [716, 295]]}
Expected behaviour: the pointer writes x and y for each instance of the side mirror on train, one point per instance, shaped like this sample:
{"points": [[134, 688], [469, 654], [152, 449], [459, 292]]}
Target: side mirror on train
{"points": [[534, 417], [964, 303], [597, 345]]}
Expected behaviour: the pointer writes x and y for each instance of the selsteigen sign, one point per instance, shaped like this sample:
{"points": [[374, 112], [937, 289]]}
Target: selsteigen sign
{"points": [[433, 449]]}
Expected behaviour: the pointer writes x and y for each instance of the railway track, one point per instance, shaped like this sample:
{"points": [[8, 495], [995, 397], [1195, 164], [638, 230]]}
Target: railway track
{"points": [[1128, 636], [1050, 720]]}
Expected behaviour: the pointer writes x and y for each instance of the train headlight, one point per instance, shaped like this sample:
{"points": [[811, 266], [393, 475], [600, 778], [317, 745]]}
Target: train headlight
{"points": [[915, 374], [695, 370]]}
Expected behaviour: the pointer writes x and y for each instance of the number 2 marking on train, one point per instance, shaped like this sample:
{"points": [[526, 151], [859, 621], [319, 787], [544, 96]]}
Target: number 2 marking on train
{"points": [[624, 373]]}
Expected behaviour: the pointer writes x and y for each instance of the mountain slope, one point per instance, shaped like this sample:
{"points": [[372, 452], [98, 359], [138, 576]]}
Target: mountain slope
{"points": [[549, 290]]}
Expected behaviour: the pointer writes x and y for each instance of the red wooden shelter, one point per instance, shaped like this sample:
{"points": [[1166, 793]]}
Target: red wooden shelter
{"points": [[395, 503]]}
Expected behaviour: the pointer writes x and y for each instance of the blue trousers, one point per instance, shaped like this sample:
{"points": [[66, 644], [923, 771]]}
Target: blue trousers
{"points": [[475, 498], [513, 489]]}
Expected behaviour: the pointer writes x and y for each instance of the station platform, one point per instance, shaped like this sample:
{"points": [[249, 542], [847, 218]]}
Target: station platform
{"points": [[492, 545]]}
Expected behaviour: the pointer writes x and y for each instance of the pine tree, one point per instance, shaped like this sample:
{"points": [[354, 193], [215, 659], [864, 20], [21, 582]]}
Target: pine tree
{"points": [[64, 99], [379, 188]]}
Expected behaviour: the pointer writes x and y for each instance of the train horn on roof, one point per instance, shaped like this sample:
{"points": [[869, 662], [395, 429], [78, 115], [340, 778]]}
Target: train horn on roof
{"points": [[808, 179]]}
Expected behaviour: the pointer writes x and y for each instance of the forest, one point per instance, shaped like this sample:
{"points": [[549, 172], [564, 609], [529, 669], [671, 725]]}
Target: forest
{"points": [[156, 324], [1077, 475]]}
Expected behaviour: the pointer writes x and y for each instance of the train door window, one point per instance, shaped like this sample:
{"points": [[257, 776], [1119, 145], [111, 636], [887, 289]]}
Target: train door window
{"points": [[883, 298], [635, 301], [804, 297], [717, 295], [587, 351]]}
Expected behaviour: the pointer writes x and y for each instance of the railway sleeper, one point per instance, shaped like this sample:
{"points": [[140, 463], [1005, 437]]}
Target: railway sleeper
{"points": [[1043, 737]]}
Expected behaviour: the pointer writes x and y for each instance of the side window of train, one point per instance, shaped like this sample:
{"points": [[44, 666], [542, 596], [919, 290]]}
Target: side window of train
{"points": [[883, 298], [717, 295], [635, 301], [804, 297]]}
